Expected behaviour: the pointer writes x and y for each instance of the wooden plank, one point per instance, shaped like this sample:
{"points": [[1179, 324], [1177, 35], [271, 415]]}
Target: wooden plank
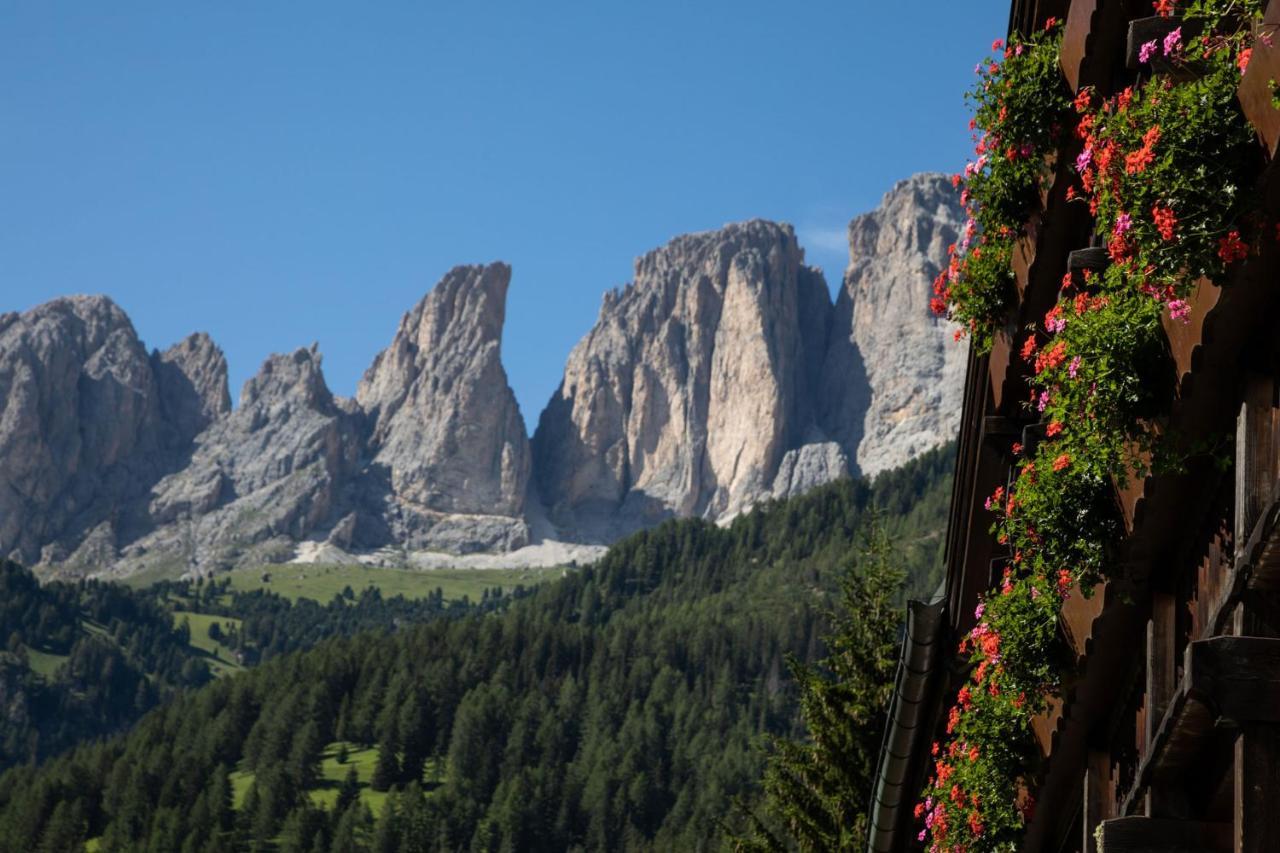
{"points": [[1024, 255], [1075, 40], [1239, 677], [1078, 615], [1094, 258], [1161, 685], [1098, 800], [1156, 835], [1255, 453], [1257, 769], [1185, 336], [1143, 30], [1254, 92], [998, 367], [1161, 660]]}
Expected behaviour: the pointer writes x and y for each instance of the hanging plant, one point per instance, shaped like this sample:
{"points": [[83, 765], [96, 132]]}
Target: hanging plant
{"points": [[1165, 164], [1021, 109], [1164, 168], [1100, 375]]}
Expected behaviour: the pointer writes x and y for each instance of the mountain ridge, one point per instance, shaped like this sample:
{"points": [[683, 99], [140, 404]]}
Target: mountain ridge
{"points": [[722, 375]]}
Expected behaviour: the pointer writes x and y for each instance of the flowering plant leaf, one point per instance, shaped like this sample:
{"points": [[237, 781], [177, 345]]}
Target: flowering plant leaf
{"points": [[1021, 109]]}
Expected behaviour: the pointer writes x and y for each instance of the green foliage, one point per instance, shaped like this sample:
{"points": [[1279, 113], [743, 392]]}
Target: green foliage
{"points": [[1021, 110], [816, 790], [1166, 165], [625, 705], [87, 659], [1102, 375], [83, 660], [1021, 107], [1162, 167]]}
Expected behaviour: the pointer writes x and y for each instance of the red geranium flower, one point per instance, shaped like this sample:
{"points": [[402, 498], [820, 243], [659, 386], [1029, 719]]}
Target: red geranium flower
{"points": [[1231, 248], [1165, 221]]}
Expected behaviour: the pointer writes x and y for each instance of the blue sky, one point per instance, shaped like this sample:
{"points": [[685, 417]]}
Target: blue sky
{"points": [[287, 172]]}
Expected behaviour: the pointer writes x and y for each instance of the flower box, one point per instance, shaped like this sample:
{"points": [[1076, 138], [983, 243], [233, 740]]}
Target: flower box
{"points": [[1144, 30], [1094, 258]]}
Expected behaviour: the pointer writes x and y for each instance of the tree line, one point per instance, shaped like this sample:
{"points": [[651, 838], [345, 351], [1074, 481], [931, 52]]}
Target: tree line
{"points": [[627, 706]]}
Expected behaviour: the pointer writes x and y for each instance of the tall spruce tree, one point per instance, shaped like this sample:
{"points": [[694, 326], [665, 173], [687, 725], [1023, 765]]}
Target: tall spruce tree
{"points": [[387, 769], [816, 790]]}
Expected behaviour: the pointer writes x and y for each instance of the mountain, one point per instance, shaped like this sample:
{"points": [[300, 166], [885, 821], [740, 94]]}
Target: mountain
{"points": [[624, 706], [259, 479], [720, 376], [723, 375], [88, 422], [694, 390], [913, 367], [446, 430]]}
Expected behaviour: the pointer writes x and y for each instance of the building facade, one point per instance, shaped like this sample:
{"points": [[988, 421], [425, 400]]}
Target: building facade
{"points": [[1165, 734]]}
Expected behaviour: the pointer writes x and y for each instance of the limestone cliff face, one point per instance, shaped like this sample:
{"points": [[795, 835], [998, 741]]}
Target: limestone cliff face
{"points": [[445, 424], [192, 377], [722, 375], [884, 328], [695, 383], [84, 424], [260, 478]]}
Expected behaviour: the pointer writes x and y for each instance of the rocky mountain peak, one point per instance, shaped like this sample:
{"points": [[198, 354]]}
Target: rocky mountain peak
{"points": [[914, 371], [720, 376], [81, 425], [192, 376], [446, 426], [295, 377], [453, 327], [692, 386]]}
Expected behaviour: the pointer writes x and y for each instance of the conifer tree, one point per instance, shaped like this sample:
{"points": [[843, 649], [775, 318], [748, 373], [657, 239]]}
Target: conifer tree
{"points": [[816, 790], [349, 792], [387, 770]]}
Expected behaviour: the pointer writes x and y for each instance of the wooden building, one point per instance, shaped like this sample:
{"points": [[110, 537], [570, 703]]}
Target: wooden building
{"points": [[1166, 735]]}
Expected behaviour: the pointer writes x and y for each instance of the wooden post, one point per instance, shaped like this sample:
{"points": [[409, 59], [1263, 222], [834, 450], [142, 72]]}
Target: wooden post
{"points": [[1257, 769], [1255, 454], [1161, 659], [1097, 800], [1161, 683]]}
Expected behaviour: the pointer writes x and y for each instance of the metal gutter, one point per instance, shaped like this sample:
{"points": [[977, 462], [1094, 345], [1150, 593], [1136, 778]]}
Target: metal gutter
{"points": [[916, 691]]}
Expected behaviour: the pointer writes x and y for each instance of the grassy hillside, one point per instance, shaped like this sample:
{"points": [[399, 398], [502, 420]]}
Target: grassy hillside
{"points": [[323, 582], [81, 660], [622, 706]]}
